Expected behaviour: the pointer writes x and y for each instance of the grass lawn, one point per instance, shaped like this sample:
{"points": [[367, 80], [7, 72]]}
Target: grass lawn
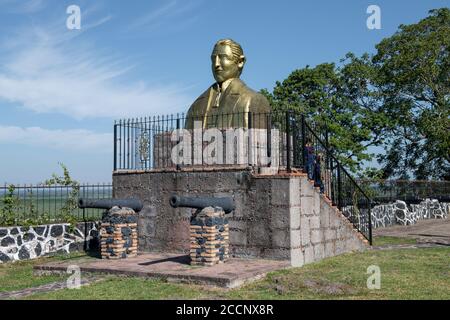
{"points": [[19, 275], [385, 240], [422, 273]]}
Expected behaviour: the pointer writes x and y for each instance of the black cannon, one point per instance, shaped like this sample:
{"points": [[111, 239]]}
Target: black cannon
{"points": [[134, 204], [226, 203]]}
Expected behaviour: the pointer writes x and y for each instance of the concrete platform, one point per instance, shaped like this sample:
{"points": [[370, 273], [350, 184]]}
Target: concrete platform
{"points": [[173, 268]]}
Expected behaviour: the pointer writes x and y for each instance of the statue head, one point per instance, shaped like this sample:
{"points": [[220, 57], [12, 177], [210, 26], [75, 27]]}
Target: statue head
{"points": [[227, 60]]}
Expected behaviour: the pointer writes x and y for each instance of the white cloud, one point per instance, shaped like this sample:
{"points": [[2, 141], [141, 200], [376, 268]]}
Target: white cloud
{"points": [[154, 15], [75, 140], [32, 6], [167, 16], [22, 7], [44, 71]]}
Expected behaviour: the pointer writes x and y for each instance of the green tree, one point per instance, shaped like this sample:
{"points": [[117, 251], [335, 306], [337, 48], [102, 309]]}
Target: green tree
{"points": [[339, 100], [398, 98], [413, 69]]}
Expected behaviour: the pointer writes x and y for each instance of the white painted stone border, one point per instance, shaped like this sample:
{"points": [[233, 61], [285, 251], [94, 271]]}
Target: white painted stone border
{"points": [[23, 243]]}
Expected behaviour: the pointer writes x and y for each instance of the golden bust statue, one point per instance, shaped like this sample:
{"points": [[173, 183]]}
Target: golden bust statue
{"points": [[227, 102]]}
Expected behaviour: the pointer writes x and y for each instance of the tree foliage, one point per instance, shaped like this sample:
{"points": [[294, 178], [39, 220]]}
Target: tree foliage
{"points": [[339, 101], [10, 203], [71, 203], [398, 98], [22, 211], [413, 68]]}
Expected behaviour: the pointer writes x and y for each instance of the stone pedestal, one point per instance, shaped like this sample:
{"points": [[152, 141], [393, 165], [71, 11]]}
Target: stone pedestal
{"points": [[277, 217], [118, 234], [209, 243]]}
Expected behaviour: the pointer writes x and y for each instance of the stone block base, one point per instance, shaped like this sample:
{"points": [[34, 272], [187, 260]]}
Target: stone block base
{"points": [[119, 238], [280, 216], [209, 243]]}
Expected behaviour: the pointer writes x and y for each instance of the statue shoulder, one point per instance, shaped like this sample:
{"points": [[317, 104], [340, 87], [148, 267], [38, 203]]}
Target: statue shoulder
{"points": [[200, 103], [204, 95], [257, 101]]}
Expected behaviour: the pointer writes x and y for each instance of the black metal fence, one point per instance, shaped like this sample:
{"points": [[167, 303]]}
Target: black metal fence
{"points": [[283, 140], [48, 204], [147, 143], [410, 191]]}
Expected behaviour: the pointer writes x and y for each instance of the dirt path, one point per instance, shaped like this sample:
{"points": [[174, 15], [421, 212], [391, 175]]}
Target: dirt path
{"points": [[425, 231], [407, 246], [46, 288]]}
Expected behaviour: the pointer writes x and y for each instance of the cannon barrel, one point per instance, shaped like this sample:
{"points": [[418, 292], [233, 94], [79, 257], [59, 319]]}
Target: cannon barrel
{"points": [[226, 203], [134, 204]]}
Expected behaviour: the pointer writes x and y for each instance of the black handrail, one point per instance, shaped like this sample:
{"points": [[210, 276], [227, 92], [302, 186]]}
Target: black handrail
{"points": [[335, 159], [341, 204]]}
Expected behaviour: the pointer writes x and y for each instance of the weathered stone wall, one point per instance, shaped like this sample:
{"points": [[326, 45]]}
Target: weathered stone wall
{"points": [[325, 231], [276, 217], [399, 213], [22, 243]]}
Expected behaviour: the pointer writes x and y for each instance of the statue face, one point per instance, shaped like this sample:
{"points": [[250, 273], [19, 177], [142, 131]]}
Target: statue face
{"points": [[223, 65]]}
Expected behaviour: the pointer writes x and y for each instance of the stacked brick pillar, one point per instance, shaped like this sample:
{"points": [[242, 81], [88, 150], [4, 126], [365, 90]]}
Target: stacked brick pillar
{"points": [[209, 237], [118, 234]]}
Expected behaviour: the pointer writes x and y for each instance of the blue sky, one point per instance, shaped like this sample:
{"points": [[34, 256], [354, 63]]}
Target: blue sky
{"points": [[60, 89]]}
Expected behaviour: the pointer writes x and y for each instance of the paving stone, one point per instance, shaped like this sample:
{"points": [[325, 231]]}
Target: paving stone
{"points": [[295, 217], [295, 238], [309, 254], [297, 257], [174, 267]]}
